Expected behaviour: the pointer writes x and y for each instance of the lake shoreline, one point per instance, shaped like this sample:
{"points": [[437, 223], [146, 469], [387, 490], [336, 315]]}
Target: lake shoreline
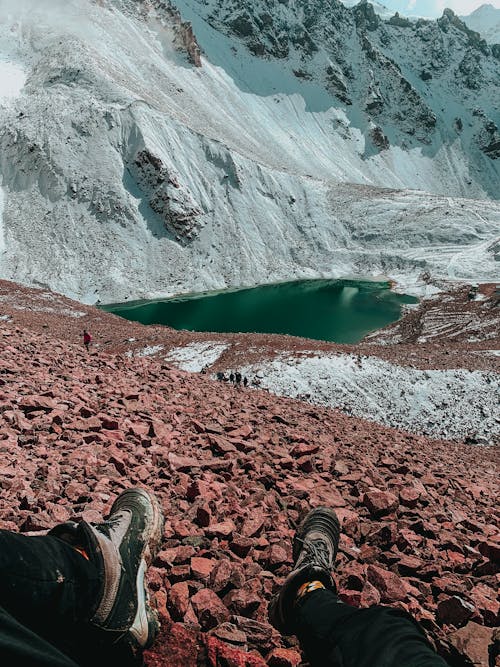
{"points": [[334, 310]]}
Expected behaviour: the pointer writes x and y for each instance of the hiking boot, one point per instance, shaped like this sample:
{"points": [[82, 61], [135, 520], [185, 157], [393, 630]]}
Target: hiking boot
{"points": [[122, 547], [315, 547]]}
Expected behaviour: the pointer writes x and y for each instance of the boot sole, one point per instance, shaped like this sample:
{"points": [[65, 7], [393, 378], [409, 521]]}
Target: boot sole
{"points": [[145, 626]]}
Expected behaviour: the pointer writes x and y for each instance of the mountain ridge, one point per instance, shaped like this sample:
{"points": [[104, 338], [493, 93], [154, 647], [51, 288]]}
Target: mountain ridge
{"points": [[196, 174], [486, 21]]}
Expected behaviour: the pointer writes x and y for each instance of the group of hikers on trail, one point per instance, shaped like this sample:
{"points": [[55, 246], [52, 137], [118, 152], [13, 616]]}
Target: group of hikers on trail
{"points": [[234, 378], [77, 596]]}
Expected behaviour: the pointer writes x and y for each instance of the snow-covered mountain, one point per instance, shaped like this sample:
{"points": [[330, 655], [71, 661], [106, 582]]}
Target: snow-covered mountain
{"points": [[380, 9], [486, 21], [141, 155]]}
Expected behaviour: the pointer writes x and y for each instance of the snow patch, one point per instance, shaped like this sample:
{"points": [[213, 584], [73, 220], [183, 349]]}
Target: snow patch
{"points": [[2, 204], [149, 350], [451, 404], [35, 308], [196, 356], [12, 80]]}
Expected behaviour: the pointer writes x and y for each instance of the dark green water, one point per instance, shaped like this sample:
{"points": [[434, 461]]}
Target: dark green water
{"points": [[342, 311]]}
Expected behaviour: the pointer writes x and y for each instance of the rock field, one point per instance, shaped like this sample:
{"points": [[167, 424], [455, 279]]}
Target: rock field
{"points": [[235, 470]]}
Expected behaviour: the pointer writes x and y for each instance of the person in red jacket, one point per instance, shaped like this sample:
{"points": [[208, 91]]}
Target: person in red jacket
{"points": [[87, 339]]}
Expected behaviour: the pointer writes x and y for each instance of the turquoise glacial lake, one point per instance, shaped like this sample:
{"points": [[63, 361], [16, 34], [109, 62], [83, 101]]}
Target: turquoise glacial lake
{"points": [[341, 311]]}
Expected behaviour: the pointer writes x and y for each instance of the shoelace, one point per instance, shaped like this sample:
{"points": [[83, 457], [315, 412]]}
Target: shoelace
{"points": [[315, 552], [105, 527]]}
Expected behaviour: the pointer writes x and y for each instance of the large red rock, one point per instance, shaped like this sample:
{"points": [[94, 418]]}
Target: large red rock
{"points": [[220, 654], [201, 568], [244, 601], [177, 646], [253, 525], [226, 575], [240, 545], [175, 555], [369, 595], [178, 600], [283, 657], [229, 633], [454, 610], [209, 609], [31, 403], [388, 584], [474, 642], [222, 530], [487, 601], [380, 502], [409, 496], [258, 633], [303, 449]]}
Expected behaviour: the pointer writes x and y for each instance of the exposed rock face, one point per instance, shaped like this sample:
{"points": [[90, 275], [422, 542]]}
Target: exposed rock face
{"points": [[166, 196], [388, 55], [165, 12], [489, 138]]}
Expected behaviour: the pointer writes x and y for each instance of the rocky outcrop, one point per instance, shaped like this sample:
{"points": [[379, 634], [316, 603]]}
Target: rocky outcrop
{"points": [[379, 138], [170, 17], [376, 51], [489, 140], [166, 196]]}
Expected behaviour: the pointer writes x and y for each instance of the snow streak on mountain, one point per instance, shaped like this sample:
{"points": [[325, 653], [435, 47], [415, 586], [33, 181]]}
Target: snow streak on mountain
{"points": [[148, 149]]}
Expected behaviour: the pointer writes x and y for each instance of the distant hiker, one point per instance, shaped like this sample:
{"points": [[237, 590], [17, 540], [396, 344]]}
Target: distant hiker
{"points": [[237, 377], [472, 294], [87, 339], [231, 376], [245, 381], [221, 377]]}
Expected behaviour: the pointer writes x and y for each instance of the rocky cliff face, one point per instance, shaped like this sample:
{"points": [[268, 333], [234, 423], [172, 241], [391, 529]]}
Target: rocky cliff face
{"points": [[266, 163], [391, 71]]}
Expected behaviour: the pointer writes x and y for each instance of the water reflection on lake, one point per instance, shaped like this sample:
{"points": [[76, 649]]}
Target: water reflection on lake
{"points": [[341, 311]]}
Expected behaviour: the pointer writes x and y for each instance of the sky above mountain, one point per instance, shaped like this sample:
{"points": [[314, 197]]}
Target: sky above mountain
{"points": [[434, 8]]}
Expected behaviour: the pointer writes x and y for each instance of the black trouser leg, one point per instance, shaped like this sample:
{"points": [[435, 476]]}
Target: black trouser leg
{"points": [[47, 587], [21, 646], [334, 634]]}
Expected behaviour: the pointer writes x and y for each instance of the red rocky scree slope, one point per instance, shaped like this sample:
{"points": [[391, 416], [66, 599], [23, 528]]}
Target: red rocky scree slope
{"points": [[235, 471]]}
